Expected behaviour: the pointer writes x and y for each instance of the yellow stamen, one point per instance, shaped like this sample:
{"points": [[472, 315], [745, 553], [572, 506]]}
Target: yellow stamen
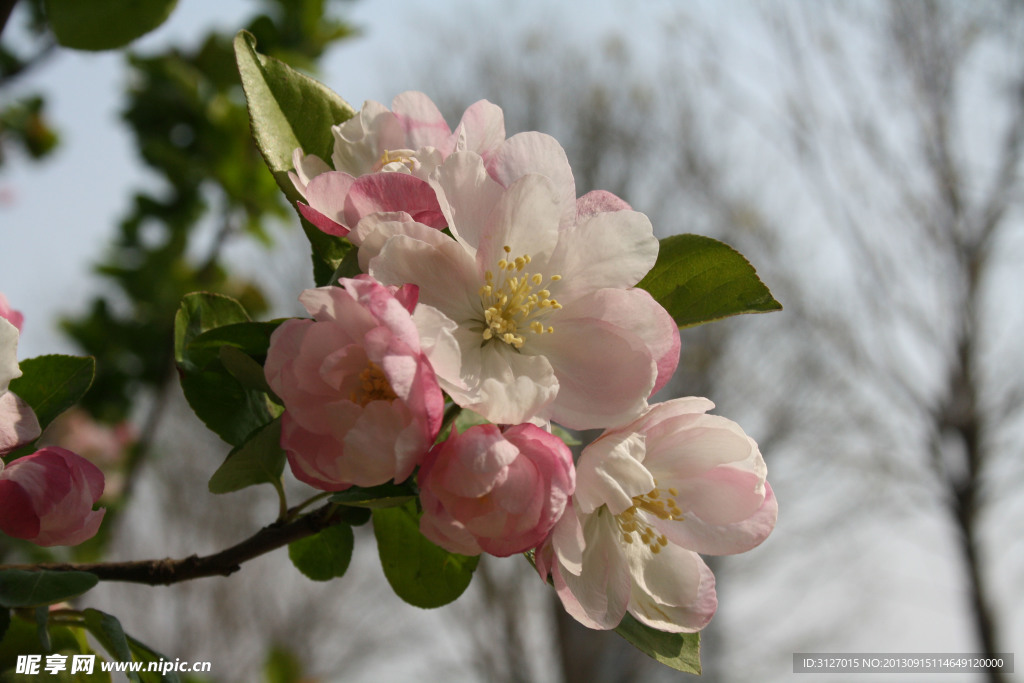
{"points": [[511, 306], [374, 386]]}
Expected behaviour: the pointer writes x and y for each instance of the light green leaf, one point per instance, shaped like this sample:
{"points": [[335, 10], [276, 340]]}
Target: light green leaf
{"points": [[419, 572], [20, 588], [52, 384], [698, 279], [324, 556], [259, 460], [681, 651], [104, 24], [288, 110]]}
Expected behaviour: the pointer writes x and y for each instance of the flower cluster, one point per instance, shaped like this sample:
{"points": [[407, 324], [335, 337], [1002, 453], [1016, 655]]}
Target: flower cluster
{"points": [[46, 497], [487, 283]]}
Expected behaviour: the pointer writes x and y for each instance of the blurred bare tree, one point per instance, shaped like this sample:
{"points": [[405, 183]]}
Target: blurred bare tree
{"points": [[866, 157]]}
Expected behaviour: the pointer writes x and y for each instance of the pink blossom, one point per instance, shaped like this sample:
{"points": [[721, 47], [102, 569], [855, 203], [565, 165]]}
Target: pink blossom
{"points": [[489, 491], [362, 405], [15, 317], [522, 308], [382, 160], [47, 498], [18, 423], [651, 495]]}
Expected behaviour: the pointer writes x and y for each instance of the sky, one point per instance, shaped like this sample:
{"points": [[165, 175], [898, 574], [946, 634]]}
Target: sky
{"points": [[56, 217]]}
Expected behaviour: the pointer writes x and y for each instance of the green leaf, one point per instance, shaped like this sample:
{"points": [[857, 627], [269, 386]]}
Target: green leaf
{"points": [[383, 496], [107, 630], [52, 384], [288, 110], [143, 653], [419, 572], [681, 651], [244, 368], [204, 323], [104, 24], [259, 460], [20, 588], [324, 556], [565, 435], [200, 312], [698, 279]]}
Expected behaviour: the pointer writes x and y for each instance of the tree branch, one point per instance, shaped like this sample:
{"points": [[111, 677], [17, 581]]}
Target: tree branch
{"points": [[224, 563]]}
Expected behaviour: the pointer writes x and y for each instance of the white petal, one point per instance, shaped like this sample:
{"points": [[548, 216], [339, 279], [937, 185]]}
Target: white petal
{"points": [[467, 196], [8, 353], [533, 152], [673, 590], [525, 219], [612, 249], [610, 472], [446, 275], [513, 387]]}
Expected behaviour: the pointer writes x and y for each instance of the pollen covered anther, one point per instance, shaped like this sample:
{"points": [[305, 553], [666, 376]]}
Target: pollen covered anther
{"points": [[374, 386], [655, 502], [515, 300]]}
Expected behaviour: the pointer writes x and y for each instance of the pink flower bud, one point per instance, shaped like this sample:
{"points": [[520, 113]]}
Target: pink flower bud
{"points": [[47, 498], [362, 405], [500, 493]]}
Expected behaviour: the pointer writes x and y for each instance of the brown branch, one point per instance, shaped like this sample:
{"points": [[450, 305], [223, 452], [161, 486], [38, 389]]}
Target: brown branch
{"points": [[224, 563]]}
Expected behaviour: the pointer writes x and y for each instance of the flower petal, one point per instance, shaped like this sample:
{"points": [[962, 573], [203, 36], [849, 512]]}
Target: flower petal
{"points": [[612, 249], [533, 152], [18, 423], [593, 392], [673, 590]]}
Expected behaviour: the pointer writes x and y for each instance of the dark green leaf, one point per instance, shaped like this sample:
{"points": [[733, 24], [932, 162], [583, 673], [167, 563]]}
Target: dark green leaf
{"points": [[5, 621], [259, 460], [104, 24], [253, 338], [698, 279], [419, 572], [383, 496], [681, 651], [42, 614], [288, 110], [19, 588], [200, 312], [52, 384], [244, 368], [228, 409], [324, 556], [107, 630], [204, 323]]}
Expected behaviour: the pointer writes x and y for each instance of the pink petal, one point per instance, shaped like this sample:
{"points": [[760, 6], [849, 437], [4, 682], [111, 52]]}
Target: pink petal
{"points": [[483, 127], [421, 120], [598, 201], [393, 192]]}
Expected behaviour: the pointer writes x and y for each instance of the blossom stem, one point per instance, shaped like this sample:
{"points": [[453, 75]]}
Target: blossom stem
{"points": [[224, 563]]}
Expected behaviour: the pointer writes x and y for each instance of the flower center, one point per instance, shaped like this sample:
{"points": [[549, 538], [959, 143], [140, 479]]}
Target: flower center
{"points": [[400, 156], [633, 522], [516, 301], [373, 386]]}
